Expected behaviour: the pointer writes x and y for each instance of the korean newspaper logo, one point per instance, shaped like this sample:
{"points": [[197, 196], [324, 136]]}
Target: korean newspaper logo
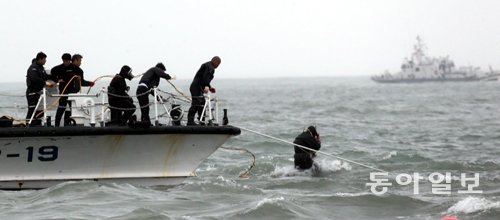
{"points": [[441, 183]]}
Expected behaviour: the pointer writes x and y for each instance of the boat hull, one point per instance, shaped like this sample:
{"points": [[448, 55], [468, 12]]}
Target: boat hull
{"points": [[41, 157]]}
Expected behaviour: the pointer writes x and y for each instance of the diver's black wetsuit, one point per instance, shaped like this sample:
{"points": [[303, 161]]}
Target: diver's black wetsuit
{"points": [[121, 104], [303, 158]]}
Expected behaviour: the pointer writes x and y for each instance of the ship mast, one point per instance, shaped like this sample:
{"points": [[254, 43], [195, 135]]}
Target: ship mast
{"points": [[419, 51]]}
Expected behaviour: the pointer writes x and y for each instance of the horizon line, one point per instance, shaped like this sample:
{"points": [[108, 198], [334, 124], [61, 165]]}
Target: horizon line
{"points": [[260, 77]]}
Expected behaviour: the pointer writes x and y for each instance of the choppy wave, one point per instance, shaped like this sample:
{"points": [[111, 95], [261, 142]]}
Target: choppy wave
{"points": [[398, 160], [474, 204], [325, 166], [390, 155], [274, 200], [394, 156], [142, 213], [275, 207], [220, 184]]}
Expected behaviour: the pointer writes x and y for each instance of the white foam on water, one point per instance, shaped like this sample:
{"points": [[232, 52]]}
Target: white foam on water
{"points": [[324, 165], [328, 165], [390, 155], [472, 205], [342, 194], [274, 200], [269, 200], [209, 167], [218, 181], [228, 183], [289, 171]]}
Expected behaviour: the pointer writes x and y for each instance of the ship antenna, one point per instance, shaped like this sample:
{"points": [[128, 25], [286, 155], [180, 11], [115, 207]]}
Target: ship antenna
{"points": [[419, 52]]}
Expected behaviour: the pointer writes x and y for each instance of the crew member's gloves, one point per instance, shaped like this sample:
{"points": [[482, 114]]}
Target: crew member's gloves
{"points": [[91, 83], [212, 90], [49, 84], [173, 77], [205, 90], [161, 99]]}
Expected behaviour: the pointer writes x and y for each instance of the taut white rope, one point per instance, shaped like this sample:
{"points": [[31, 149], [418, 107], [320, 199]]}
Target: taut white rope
{"points": [[317, 151]]}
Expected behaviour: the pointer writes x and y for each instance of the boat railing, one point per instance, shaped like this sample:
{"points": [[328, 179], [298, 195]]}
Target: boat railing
{"points": [[43, 98], [86, 102]]}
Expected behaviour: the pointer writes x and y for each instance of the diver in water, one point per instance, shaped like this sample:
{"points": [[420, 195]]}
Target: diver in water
{"points": [[309, 138]]}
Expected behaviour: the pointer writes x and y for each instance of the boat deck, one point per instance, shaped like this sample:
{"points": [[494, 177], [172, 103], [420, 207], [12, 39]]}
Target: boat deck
{"points": [[97, 131]]}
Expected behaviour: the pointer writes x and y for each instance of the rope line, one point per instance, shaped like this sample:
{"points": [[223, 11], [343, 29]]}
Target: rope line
{"points": [[317, 151], [128, 96], [187, 97], [247, 171], [57, 100], [13, 107], [15, 96], [98, 78], [175, 96]]}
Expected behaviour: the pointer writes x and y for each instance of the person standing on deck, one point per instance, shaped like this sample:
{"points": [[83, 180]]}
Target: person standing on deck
{"points": [[36, 79], [62, 74], [72, 81], [201, 85], [76, 62], [148, 81]]}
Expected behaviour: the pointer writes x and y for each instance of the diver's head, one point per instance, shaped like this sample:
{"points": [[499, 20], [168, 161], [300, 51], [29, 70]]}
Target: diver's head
{"points": [[126, 72]]}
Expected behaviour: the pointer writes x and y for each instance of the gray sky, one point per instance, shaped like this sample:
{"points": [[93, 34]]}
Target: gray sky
{"points": [[258, 38]]}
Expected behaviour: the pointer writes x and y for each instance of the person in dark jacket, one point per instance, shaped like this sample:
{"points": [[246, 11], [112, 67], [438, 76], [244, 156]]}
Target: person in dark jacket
{"points": [[309, 138], [148, 81], [36, 79], [76, 62], [70, 81], [201, 85], [62, 74], [121, 104]]}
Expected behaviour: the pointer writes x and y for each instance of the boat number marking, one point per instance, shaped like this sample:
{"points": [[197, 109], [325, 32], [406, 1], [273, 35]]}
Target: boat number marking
{"points": [[45, 153]]}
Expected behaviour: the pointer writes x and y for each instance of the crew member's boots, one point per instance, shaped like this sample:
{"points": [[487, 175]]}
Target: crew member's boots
{"points": [[191, 114], [67, 118], [190, 121], [132, 121], [57, 121], [59, 115], [201, 121]]}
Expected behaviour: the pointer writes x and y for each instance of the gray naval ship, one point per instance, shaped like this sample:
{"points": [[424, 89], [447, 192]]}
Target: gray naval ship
{"points": [[421, 68]]}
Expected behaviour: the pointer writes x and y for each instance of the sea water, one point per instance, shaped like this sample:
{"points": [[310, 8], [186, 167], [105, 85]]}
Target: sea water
{"points": [[405, 129]]}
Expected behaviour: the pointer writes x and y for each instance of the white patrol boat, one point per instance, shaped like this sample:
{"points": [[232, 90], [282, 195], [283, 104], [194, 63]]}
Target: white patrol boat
{"points": [[421, 68], [36, 157]]}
